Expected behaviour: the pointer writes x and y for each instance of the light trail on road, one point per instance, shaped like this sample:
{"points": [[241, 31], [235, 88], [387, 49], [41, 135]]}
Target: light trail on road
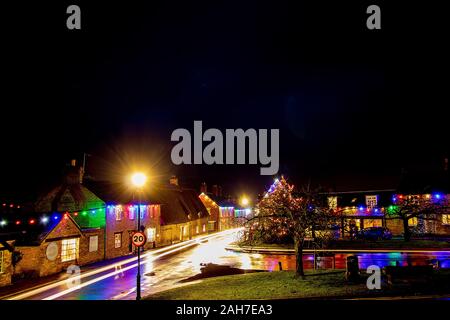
{"points": [[153, 255]]}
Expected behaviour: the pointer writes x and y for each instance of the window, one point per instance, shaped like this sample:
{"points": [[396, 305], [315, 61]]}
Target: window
{"points": [[412, 222], [69, 249], [93, 243], [131, 212], [204, 228], [197, 229], [1, 261], [151, 234], [143, 211], [446, 219], [373, 223], [371, 201], [332, 202], [117, 240], [118, 212]]}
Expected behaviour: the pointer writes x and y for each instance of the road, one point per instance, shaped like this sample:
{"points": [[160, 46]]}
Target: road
{"points": [[163, 268]]}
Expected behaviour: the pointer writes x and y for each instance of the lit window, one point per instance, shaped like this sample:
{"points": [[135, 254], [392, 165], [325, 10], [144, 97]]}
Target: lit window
{"points": [[446, 219], [371, 201], [131, 212], [93, 243], [118, 212], [197, 229], [204, 228], [1, 261], [332, 202], [412, 222], [143, 211], [151, 234], [117, 240], [69, 249]]}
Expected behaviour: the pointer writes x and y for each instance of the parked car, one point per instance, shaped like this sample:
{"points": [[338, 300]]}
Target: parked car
{"points": [[375, 233]]}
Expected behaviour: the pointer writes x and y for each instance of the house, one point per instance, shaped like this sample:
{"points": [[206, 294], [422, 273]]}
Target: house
{"points": [[72, 199], [361, 208], [48, 244], [370, 207], [123, 206], [183, 215], [6, 265], [169, 214], [213, 210]]}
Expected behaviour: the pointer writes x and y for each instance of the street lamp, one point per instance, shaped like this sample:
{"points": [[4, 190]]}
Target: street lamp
{"points": [[244, 201], [138, 180]]}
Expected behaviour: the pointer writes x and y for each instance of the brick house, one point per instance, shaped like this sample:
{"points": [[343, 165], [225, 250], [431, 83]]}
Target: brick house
{"points": [[121, 215], [121, 222], [47, 245], [366, 208], [6, 268], [169, 214], [183, 215], [213, 210]]}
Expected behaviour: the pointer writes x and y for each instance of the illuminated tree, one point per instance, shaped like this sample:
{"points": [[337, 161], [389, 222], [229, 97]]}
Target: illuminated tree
{"points": [[283, 214], [417, 207]]}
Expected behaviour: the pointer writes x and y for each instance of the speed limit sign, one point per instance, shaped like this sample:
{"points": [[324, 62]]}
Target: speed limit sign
{"points": [[138, 239]]}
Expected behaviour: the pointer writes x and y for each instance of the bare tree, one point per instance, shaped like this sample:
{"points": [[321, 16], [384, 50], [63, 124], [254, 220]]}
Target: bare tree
{"points": [[286, 214], [420, 207]]}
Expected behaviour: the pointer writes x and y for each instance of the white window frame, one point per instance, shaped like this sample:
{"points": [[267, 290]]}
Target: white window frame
{"points": [[70, 249], [116, 242], [151, 234], [131, 212], [371, 201], [118, 210], [332, 202], [93, 246]]}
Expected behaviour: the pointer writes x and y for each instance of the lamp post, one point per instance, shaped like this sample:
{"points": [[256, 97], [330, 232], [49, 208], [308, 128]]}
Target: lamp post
{"points": [[244, 201], [138, 180]]}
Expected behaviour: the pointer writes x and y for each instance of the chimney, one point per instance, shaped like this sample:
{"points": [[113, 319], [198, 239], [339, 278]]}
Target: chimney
{"points": [[215, 190], [173, 181], [73, 174], [203, 187]]}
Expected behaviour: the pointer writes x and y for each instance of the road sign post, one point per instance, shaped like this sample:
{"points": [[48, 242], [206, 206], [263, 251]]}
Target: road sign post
{"points": [[138, 239]]}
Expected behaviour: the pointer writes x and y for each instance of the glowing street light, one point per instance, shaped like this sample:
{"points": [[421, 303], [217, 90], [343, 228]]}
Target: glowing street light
{"points": [[244, 201], [138, 179]]}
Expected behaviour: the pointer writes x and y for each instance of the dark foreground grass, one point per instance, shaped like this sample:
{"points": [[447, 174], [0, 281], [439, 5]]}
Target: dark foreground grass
{"points": [[283, 285], [266, 285]]}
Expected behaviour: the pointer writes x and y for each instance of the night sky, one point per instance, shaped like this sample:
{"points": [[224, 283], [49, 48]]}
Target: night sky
{"points": [[347, 100]]}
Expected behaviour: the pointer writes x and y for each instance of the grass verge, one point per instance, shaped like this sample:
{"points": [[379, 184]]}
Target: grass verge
{"points": [[266, 285]]}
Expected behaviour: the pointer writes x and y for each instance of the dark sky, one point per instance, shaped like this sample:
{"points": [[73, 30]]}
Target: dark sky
{"points": [[347, 100]]}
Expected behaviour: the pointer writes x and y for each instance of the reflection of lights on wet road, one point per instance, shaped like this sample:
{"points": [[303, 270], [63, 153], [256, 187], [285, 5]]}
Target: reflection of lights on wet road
{"points": [[119, 268], [164, 268]]}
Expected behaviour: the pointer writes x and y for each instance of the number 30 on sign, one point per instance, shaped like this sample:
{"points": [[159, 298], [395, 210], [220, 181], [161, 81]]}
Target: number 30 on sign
{"points": [[138, 239]]}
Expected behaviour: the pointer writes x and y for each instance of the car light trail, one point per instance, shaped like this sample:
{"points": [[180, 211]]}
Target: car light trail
{"points": [[152, 255]]}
